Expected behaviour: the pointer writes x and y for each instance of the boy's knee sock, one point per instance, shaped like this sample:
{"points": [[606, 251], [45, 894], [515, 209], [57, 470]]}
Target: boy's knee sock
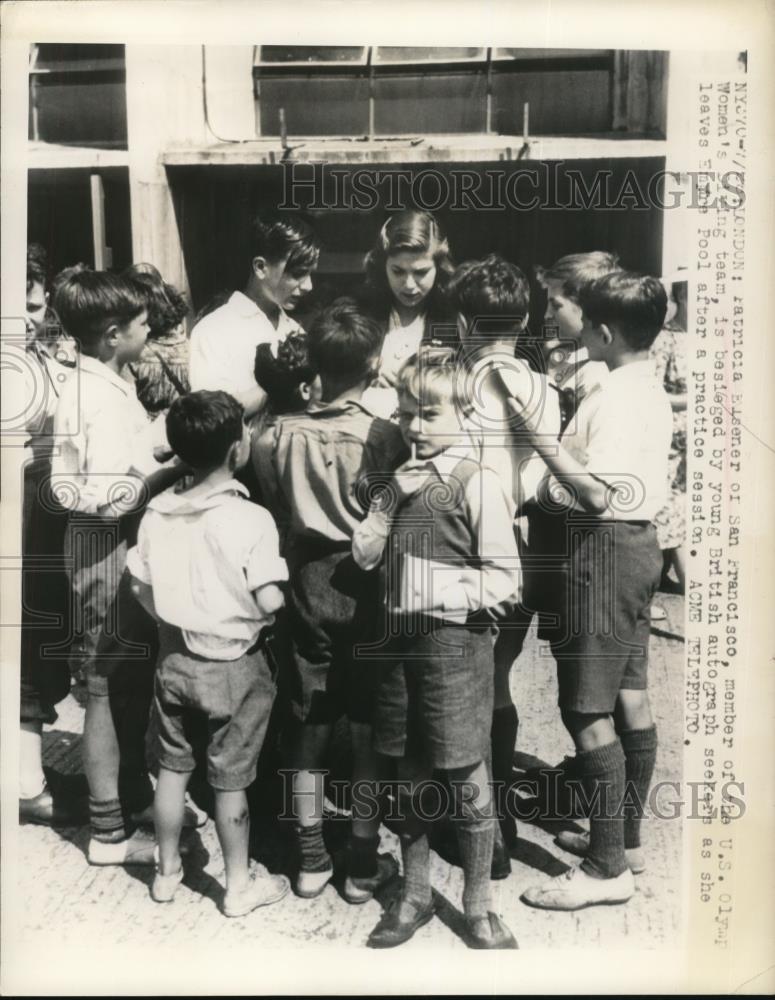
{"points": [[640, 755], [415, 856], [475, 827], [107, 821], [313, 856], [602, 775], [503, 740], [362, 856]]}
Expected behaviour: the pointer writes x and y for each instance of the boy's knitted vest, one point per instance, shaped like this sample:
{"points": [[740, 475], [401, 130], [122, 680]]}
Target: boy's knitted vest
{"points": [[433, 524]]}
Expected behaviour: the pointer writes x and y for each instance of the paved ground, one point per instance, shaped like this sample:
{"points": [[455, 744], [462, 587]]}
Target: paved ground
{"points": [[112, 905]]}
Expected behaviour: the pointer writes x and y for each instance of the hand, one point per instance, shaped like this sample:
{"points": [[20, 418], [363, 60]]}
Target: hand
{"points": [[409, 478]]}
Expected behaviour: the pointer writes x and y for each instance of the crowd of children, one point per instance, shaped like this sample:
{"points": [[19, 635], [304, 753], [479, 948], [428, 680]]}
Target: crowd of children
{"points": [[364, 516]]}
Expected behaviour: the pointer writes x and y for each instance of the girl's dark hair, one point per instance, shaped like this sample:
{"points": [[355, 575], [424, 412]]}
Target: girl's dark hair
{"points": [[166, 306], [276, 237], [202, 426], [88, 302], [409, 231], [343, 341], [37, 266], [633, 304], [281, 377]]}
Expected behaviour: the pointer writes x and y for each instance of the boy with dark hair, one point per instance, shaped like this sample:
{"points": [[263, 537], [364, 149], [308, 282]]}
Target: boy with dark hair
{"points": [[315, 462], [610, 470], [492, 298], [207, 567], [103, 473], [451, 571], [223, 343]]}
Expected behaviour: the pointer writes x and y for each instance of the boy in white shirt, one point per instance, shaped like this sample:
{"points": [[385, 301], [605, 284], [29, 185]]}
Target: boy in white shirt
{"points": [[223, 343], [103, 472], [608, 477], [207, 566]]}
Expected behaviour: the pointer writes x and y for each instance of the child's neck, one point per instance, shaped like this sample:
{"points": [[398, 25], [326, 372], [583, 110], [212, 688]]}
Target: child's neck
{"points": [[619, 357], [336, 392], [117, 365], [256, 294], [212, 477], [407, 314]]}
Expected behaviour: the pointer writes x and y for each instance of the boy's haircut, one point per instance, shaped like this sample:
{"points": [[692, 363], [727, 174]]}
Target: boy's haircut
{"points": [[37, 266], [343, 343], [277, 237], [202, 426], [166, 306], [88, 302], [492, 294], [575, 271], [632, 304], [280, 377], [434, 375]]}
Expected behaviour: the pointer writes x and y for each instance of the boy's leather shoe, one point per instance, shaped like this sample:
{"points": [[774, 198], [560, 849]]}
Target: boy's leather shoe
{"points": [[578, 843], [45, 810], [574, 890], [489, 932], [361, 890], [399, 923]]}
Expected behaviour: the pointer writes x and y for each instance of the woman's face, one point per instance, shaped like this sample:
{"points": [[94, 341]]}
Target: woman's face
{"points": [[411, 277]]}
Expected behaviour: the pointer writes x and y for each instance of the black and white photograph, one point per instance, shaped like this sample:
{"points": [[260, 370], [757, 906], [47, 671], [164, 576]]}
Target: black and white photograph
{"points": [[385, 462]]}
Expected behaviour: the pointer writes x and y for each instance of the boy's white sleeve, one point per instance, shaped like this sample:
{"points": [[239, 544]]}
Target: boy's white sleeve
{"points": [[264, 563], [137, 557]]}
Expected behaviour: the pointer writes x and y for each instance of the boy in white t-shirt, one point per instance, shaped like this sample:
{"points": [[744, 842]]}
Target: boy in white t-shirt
{"points": [[606, 482], [207, 567]]}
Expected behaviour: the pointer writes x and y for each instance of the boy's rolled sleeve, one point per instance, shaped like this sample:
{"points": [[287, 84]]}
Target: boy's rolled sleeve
{"points": [[137, 558]]}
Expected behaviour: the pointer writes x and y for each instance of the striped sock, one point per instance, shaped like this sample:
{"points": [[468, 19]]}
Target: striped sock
{"points": [[107, 822], [313, 856], [640, 756]]}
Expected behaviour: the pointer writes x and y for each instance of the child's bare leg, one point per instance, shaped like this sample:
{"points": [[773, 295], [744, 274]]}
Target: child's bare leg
{"points": [[232, 823], [168, 808], [32, 780], [315, 865], [475, 827], [638, 736], [100, 749]]}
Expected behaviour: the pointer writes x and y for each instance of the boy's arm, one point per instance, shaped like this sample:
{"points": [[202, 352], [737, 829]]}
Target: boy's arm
{"points": [[265, 568], [590, 492], [269, 598], [139, 488]]}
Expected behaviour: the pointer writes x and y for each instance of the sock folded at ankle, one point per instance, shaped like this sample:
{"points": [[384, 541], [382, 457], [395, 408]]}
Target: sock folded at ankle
{"points": [[107, 821], [313, 856]]}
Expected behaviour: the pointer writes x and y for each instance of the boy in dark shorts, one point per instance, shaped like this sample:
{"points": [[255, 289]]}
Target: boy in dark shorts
{"points": [[313, 465], [451, 570], [207, 566], [605, 483]]}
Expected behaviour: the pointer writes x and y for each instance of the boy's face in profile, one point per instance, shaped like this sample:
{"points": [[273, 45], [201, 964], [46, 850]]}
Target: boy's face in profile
{"points": [[431, 425], [284, 288], [562, 312], [130, 339]]}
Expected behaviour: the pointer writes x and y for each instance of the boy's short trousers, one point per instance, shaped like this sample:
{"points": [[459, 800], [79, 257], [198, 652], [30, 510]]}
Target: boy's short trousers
{"points": [[228, 702], [435, 697], [600, 604], [332, 606], [118, 639]]}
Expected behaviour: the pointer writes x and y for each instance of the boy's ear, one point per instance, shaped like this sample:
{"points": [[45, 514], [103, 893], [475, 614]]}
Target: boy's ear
{"points": [[259, 267], [607, 334], [110, 336], [305, 391], [232, 455]]}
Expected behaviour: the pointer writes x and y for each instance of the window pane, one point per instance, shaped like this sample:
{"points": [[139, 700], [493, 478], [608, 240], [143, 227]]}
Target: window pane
{"points": [[542, 54], [417, 54], [77, 58], [274, 55]]}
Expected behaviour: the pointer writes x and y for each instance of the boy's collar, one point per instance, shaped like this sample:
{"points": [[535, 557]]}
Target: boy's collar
{"points": [[446, 460], [339, 406], [96, 367]]}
